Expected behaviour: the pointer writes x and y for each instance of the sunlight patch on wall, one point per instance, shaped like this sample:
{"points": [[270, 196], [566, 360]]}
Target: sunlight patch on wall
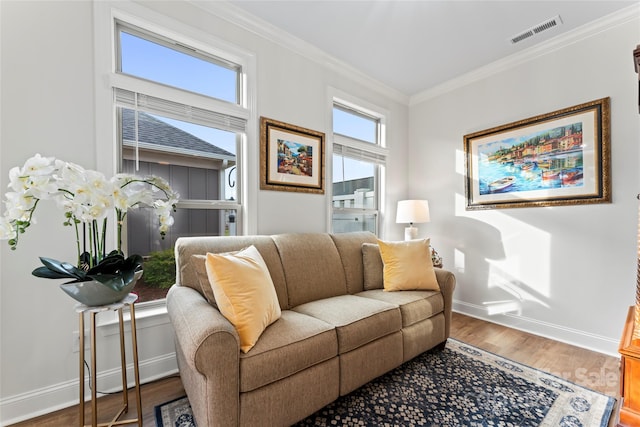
{"points": [[520, 291], [525, 269], [527, 262], [503, 307]]}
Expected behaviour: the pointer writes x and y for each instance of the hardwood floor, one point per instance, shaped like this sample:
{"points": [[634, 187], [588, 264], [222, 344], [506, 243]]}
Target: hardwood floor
{"points": [[587, 368], [153, 394], [590, 369]]}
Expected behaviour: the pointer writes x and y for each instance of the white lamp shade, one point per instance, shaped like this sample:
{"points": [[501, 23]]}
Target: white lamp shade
{"points": [[413, 211]]}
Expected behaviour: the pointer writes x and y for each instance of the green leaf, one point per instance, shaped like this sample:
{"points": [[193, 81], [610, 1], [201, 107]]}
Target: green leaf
{"points": [[45, 273], [61, 269], [133, 262], [114, 271], [131, 265], [111, 264]]}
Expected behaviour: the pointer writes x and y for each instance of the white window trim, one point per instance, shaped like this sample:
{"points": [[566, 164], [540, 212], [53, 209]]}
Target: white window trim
{"points": [[336, 96], [339, 97], [107, 152]]}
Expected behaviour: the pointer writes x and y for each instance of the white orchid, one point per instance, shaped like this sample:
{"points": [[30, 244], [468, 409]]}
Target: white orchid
{"points": [[7, 230], [38, 165], [19, 206], [164, 208], [130, 191], [86, 197]]}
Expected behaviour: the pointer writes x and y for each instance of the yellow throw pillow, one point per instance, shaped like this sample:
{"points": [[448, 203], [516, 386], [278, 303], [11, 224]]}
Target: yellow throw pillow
{"points": [[244, 292], [408, 266]]}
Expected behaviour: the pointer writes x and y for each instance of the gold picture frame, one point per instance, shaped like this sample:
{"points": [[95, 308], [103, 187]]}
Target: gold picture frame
{"points": [[291, 157], [554, 159]]}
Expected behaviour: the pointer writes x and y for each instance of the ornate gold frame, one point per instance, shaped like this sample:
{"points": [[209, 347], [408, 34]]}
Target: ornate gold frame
{"points": [[593, 119], [271, 178]]}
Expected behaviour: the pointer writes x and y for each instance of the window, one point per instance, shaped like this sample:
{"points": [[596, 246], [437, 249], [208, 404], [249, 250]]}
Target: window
{"points": [[164, 61], [358, 162], [180, 115]]}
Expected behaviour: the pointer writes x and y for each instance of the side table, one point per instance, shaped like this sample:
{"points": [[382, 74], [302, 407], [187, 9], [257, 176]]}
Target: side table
{"points": [[81, 309], [629, 409]]}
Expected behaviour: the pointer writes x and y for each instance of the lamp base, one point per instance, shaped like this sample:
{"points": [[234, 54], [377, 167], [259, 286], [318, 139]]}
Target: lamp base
{"points": [[410, 233]]}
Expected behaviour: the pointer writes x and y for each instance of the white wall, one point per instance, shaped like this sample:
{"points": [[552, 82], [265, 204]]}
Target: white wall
{"points": [[295, 89], [565, 272], [573, 267], [48, 84]]}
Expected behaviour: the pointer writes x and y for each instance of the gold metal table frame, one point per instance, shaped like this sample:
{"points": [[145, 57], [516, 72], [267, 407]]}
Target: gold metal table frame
{"points": [[81, 309]]}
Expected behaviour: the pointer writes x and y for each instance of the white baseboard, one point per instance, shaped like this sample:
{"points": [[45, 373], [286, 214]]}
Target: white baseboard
{"points": [[571, 336], [49, 399]]}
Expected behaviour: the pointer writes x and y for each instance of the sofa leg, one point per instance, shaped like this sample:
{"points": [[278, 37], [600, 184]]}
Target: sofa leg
{"points": [[440, 346]]}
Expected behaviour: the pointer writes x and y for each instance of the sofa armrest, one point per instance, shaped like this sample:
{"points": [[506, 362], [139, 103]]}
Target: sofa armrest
{"points": [[207, 349], [447, 282]]}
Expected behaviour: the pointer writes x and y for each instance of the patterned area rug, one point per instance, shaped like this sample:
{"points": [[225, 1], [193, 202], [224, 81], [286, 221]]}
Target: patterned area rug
{"points": [[459, 386]]}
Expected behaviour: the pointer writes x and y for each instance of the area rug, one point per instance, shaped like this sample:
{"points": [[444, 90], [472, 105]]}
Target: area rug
{"points": [[459, 386]]}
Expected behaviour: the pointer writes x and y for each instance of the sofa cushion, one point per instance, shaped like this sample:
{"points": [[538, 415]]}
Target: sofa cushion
{"points": [[358, 320], [185, 247], [349, 247], [408, 266], [244, 292], [312, 267], [415, 306], [291, 344], [199, 263], [373, 267]]}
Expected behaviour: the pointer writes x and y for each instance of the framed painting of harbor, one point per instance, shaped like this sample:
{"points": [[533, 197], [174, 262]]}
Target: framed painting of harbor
{"points": [[558, 158], [291, 158]]}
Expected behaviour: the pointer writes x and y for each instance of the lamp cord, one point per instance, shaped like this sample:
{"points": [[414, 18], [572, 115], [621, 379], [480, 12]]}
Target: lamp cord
{"points": [[91, 385]]}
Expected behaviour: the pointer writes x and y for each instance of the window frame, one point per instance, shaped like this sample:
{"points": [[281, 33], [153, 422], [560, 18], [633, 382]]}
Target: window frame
{"points": [[107, 148], [180, 47], [376, 153]]}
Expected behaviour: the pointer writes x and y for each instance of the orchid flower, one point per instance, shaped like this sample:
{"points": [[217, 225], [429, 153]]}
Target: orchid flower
{"points": [[86, 197]]}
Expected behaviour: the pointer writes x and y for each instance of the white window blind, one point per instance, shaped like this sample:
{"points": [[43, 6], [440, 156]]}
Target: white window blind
{"points": [[151, 104], [359, 150]]}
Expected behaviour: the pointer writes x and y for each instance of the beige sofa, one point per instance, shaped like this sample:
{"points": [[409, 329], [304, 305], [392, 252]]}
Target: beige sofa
{"points": [[332, 337]]}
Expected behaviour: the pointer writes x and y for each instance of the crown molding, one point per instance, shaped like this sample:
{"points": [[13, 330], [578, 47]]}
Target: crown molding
{"points": [[583, 32], [239, 17]]}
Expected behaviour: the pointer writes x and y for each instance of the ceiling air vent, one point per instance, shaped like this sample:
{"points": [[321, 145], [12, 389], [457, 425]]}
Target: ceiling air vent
{"points": [[546, 25]]}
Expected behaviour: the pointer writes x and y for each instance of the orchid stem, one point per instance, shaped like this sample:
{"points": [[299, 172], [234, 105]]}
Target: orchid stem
{"points": [[120, 218], [75, 225], [96, 251], [91, 263], [104, 237]]}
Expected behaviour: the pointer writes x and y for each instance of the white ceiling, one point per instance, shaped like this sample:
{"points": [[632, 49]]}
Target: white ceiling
{"points": [[412, 46]]}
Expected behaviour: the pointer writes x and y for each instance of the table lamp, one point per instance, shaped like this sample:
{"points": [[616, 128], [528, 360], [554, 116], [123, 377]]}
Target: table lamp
{"points": [[412, 211]]}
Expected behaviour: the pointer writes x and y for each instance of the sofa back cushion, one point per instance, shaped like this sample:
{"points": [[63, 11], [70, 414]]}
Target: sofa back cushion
{"points": [[312, 267], [187, 266], [349, 247], [373, 266]]}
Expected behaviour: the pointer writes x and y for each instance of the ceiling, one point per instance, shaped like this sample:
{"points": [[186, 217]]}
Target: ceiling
{"points": [[413, 46]]}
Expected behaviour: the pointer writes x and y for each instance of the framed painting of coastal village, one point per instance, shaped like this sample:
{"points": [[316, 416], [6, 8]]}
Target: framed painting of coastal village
{"points": [[292, 158], [559, 158]]}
